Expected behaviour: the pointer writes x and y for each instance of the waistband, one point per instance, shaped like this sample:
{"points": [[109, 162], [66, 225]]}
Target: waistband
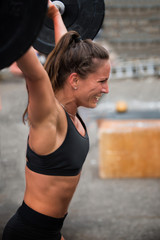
{"points": [[40, 220]]}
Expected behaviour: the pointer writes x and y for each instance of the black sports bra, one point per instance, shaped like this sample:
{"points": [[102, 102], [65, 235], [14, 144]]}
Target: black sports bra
{"points": [[67, 160]]}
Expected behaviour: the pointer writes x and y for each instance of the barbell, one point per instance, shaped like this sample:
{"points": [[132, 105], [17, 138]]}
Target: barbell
{"points": [[25, 23]]}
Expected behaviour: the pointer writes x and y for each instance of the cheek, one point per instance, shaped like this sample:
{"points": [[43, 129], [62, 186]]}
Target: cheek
{"points": [[90, 93], [89, 90], [95, 90]]}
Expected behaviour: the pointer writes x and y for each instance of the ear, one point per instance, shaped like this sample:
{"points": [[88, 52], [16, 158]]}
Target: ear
{"points": [[73, 80]]}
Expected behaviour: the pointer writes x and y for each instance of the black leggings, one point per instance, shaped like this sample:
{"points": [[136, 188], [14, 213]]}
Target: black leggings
{"points": [[28, 224]]}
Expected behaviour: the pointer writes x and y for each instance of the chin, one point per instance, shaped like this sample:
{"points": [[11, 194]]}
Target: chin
{"points": [[93, 105], [90, 105]]}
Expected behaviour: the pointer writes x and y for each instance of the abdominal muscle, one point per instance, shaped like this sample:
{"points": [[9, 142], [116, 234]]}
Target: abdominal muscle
{"points": [[49, 195]]}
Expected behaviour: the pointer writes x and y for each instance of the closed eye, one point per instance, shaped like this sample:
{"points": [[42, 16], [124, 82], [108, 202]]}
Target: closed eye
{"points": [[104, 81]]}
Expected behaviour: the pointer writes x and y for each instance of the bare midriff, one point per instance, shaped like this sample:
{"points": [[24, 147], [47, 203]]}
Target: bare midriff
{"points": [[49, 195]]}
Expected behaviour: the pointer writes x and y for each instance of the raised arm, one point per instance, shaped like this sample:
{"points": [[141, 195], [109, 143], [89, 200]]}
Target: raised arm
{"points": [[29, 63], [59, 27], [42, 102], [40, 92]]}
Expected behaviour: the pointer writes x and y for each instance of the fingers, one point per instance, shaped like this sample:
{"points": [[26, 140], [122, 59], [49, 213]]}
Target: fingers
{"points": [[52, 10], [49, 3]]}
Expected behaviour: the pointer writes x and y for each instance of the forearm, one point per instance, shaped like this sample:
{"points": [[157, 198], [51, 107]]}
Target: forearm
{"points": [[29, 63], [59, 27], [14, 69], [30, 66]]}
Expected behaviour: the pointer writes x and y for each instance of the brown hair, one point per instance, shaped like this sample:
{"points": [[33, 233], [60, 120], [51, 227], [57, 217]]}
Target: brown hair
{"points": [[72, 54]]}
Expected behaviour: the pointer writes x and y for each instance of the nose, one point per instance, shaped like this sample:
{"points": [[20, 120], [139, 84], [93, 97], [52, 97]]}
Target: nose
{"points": [[105, 88]]}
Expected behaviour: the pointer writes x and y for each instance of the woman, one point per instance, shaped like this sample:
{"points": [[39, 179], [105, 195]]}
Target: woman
{"points": [[76, 75]]}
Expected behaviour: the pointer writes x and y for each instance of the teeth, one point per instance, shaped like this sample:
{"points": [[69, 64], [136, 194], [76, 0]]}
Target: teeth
{"points": [[97, 98]]}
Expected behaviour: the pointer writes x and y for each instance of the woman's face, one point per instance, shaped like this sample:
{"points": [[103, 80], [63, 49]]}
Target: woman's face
{"points": [[91, 89]]}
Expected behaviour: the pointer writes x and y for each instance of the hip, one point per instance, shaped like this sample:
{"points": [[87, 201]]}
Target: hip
{"points": [[29, 224]]}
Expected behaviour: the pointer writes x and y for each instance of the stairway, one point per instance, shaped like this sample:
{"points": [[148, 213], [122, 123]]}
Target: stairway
{"points": [[132, 28]]}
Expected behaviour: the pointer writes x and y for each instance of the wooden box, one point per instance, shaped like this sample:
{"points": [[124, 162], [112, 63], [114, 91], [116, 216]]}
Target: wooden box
{"points": [[129, 148]]}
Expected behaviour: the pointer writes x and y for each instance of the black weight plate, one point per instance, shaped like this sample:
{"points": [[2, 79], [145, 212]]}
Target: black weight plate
{"points": [[83, 16], [20, 23]]}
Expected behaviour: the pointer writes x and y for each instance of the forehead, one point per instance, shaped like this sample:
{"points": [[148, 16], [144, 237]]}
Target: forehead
{"points": [[105, 64], [104, 69]]}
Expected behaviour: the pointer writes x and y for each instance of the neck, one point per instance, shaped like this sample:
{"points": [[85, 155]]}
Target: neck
{"points": [[68, 103], [71, 115]]}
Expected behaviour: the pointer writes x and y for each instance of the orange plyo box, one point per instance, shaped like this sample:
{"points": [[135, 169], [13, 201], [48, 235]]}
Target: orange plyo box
{"points": [[129, 148]]}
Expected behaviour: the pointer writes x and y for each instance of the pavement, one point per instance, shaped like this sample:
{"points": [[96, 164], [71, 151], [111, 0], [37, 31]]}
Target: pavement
{"points": [[101, 209]]}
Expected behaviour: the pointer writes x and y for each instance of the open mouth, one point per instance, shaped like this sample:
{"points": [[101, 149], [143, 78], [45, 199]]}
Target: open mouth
{"points": [[97, 97]]}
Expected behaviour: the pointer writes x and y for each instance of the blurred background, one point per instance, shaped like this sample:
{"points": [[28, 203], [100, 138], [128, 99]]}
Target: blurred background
{"points": [[110, 203], [131, 33]]}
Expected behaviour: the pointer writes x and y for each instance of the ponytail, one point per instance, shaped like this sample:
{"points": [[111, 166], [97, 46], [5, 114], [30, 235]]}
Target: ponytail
{"points": [[55, 63]]}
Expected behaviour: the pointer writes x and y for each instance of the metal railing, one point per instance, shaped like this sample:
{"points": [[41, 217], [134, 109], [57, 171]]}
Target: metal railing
{"points": [[136, 69]]}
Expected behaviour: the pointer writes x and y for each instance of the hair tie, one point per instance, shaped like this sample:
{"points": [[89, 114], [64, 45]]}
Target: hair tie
{"points": [[78, 39]]}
